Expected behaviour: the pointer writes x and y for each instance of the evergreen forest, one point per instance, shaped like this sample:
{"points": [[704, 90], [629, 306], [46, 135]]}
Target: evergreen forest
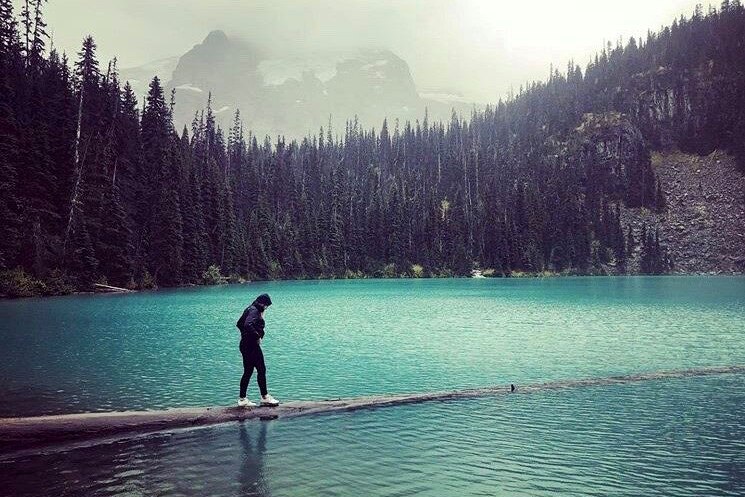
{"points": [[99, 187]]}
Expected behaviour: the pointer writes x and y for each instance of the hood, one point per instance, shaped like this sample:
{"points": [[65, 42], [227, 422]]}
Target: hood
{"points": [[262, 301]]}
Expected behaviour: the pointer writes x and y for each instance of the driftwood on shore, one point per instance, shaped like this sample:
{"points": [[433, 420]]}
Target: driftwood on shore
{"points": [[34, 432], [100, 287]]}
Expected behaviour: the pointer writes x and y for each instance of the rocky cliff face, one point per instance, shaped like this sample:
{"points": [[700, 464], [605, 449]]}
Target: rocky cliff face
{"points": [[703, 226], [616, 159], [693, 109], [225, 67]]}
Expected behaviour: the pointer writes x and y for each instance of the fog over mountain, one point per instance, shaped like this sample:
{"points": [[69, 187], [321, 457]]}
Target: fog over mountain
{"points": [[456, 52], [293, 94]]}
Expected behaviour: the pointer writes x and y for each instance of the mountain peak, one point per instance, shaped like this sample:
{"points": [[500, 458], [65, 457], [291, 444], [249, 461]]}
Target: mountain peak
{"points": [[216, 36], [309, 86]]}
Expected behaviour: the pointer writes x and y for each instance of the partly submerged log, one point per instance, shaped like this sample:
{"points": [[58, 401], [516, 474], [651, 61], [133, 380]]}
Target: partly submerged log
{"points": [[99, 287], [37, 431]]}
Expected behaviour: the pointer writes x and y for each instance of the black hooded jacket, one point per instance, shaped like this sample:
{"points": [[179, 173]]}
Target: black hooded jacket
{"points": [[251, 323]]}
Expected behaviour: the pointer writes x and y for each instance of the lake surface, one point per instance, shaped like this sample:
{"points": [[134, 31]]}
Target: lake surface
{"points": [[345, 338]]}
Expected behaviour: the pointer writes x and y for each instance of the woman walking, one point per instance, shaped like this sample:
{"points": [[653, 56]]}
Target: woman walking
{"points": [[251, 324]]}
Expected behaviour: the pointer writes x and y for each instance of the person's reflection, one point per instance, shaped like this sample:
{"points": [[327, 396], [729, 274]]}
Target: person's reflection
{"points": [[252, 479]]}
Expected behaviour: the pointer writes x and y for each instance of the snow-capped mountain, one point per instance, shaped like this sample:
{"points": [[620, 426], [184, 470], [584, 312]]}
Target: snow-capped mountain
{"points": [[291, 95], [139, 77]]}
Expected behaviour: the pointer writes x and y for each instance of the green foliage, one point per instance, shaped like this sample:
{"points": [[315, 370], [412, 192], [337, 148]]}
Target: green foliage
{"points": [[275, 270], [416, 271], [353, 275], [442, 273], [80, 258], [16, 283], [213, 276], [57, 283], [537, 274], [113, 248], [520, 274], [147, 282], [388, 271]]}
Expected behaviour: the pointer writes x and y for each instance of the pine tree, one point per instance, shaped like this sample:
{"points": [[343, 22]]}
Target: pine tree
{"points": [[37, 35], [129, 169], [194, 235], [10, 207], [80, 260], [167, 238], [83, 190], [114, 248], [159, 199], [654, 259]]}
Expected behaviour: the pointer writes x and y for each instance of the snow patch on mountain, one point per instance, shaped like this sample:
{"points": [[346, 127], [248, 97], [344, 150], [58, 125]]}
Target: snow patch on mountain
{"points": [[443, 96], [375, 64], [139, 77], [277, 71], [190, 88], [163, 68]]}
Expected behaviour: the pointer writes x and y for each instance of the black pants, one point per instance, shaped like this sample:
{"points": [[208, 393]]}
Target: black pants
{"points": [[253, 357]]}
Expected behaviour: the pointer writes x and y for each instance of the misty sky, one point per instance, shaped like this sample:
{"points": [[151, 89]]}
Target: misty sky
{"points": [[479, 47]]}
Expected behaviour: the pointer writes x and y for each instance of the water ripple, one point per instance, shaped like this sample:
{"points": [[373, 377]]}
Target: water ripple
{"points": [[680, 436], [677, 436], [351, 338]]}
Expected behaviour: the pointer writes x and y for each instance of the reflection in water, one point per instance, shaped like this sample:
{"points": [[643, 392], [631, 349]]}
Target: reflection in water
{"points": [[251, 474]]}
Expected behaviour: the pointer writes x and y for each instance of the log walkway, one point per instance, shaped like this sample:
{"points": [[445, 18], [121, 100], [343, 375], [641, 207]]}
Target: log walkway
{"points": [[38, 431]]}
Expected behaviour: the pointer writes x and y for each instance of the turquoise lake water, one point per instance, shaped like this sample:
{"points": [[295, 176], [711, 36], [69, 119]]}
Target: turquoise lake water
{"points": [[328, 339]]}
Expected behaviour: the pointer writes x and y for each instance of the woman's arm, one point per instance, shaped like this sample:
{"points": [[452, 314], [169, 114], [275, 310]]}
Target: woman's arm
{"points": [[254, 324]]}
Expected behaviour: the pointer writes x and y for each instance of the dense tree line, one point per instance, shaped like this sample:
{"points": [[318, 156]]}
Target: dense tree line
{"points": [[94, 187]]}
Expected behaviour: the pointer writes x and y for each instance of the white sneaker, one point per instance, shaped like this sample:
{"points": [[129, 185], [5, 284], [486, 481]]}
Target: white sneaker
{"points": [[244, 402], [268, 400]]}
